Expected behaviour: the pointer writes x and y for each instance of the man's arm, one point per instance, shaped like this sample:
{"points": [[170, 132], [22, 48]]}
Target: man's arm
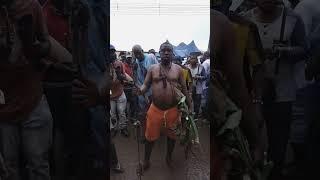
{"points": [[147, 81], [182, 82], [303, 9], [256, 59], [298, 47], [42, 33], [233, 67], [238, 90], [203, 73]]}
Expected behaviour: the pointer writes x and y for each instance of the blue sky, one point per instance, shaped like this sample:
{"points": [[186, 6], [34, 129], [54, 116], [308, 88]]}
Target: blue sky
{"points": [[139, 22]]}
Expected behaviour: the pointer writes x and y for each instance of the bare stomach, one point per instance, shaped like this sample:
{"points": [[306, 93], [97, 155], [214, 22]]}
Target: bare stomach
{"points": [[162, 97]]}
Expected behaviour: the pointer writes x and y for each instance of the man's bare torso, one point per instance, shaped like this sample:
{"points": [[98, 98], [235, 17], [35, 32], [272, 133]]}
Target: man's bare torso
{"points": [[164, 97]]}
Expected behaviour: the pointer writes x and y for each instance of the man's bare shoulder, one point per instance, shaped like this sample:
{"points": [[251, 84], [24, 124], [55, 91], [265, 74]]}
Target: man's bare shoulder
{"points": [[219, 18], [154, 66], [220, 24], [176, 66]]}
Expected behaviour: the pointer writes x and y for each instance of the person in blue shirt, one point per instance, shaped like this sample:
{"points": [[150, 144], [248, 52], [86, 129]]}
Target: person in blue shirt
{"points": [[142, 63]]}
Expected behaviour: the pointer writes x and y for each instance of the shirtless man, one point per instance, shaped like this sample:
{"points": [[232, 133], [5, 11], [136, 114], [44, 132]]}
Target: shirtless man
{"points": [[163, 111], [225, 60]]}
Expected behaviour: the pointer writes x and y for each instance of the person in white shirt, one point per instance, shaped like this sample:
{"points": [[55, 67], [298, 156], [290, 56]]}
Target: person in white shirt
{"points": [[206, 66], [198, 75], [282, 52]]}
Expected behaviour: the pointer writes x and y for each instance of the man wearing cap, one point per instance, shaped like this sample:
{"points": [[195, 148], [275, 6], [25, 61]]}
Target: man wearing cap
{"points": [[152, 51], [164, 79], [118, 99], [115, 165], [128, 65]]}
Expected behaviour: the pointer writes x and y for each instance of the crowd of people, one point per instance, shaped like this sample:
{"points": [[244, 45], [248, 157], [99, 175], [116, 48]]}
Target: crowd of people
{"points": [[133, 100], [265, 65]]}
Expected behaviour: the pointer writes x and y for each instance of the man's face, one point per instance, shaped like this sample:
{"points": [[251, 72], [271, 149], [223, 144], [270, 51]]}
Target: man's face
{"points": [[193, 61], [166, 53], [268, 5], [138, 54], [129, 60], [113, 55], [123, 58]]}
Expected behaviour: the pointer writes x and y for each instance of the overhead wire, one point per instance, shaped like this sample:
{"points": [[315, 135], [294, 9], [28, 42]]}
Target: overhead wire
{"points": [[159, 9]]}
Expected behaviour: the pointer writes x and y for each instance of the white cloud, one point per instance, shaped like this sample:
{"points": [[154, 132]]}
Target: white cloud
{"points": [[151, 30]]}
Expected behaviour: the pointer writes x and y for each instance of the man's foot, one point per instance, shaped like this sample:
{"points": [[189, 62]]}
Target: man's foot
{"points": [[146, 165], [125, 132], [118, 168]]}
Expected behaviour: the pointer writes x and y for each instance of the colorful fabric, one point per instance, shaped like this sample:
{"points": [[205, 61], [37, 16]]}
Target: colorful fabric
{"points": [[116, 87], [158, 119], [128, 69]]}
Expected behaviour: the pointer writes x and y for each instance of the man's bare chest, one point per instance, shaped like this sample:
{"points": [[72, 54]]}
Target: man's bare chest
{"points": [[161, 74]]}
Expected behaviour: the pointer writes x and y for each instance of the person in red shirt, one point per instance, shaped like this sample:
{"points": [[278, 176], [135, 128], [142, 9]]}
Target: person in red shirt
{"points": [[128, 65], [25, 118], [128, 89]]}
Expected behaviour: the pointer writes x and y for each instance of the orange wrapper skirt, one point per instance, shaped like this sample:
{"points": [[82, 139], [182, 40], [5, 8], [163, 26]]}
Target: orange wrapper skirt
{"points": [[159, 120]]}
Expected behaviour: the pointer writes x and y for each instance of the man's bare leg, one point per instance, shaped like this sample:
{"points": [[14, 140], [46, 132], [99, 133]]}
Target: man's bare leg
{"points": [[170, 146], [147, 153]]}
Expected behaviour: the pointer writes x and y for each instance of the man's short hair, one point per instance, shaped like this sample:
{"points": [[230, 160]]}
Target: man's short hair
{"points": [[166, 43]]}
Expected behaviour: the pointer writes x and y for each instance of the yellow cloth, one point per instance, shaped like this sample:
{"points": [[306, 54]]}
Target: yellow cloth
{"points": [[247, 44], [186, 76]]}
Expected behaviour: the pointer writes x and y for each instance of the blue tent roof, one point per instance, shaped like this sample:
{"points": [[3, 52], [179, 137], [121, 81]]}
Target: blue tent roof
{"points": [[184, 50]]}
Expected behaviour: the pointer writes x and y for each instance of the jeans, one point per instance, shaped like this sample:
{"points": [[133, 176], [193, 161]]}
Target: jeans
{"points": [[119, 106], [32, 138]]}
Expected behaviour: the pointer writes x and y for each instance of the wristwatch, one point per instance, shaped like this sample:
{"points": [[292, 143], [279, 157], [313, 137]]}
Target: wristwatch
{"points": [[257, 101]]}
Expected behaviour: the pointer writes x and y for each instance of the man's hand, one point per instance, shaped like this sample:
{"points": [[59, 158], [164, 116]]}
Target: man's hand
{"points": [[136, 91], [85, 93]]}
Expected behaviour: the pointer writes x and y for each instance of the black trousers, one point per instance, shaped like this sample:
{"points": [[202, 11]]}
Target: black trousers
{"points": [[278, 118], [196, 103], [313, 137]]}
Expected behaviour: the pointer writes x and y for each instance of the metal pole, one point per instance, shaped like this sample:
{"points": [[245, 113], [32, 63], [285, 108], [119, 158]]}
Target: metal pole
{"points": [[137, 124]]}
